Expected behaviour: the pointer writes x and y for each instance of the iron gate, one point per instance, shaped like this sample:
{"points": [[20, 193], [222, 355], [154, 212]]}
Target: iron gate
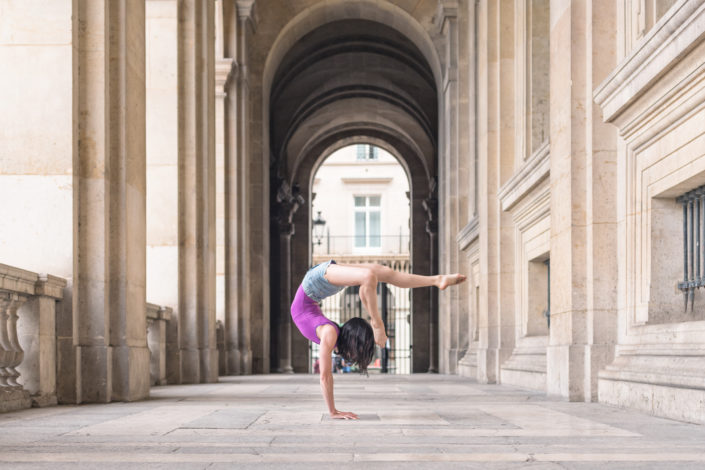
{"points": [[394, 306]]}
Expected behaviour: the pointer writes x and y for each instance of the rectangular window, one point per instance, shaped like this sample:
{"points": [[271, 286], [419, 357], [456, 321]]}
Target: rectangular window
{"points": [[366, 152], [368, 222]]}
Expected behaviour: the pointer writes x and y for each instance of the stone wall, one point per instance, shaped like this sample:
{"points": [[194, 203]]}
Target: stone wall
{"points": [[587, 184]]}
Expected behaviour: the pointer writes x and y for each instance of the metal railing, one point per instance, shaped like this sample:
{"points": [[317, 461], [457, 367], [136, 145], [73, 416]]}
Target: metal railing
{"points": [[347, 244], [394, 304], [693, 249]]}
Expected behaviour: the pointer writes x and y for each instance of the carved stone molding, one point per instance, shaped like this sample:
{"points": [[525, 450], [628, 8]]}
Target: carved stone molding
{"points": [[247, 11], [288, 202], [468, 234], [225, 70], [532, 172], [671, 38]]}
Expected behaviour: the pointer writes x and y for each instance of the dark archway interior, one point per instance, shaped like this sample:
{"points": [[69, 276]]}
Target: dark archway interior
{"points": [[351, 80]]}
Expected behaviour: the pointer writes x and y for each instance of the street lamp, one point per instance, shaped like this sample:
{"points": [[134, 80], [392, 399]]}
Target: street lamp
{"points": [[318, 226]]}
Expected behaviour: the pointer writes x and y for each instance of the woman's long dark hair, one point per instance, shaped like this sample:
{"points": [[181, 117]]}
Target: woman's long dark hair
{"points": [[356, 343]]}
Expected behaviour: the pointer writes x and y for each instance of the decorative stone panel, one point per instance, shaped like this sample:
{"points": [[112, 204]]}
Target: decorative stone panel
{"points": [[656, 98]]}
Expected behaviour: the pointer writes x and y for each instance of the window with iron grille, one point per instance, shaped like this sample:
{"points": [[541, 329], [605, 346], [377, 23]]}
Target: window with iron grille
{"points": [[693, 203]]}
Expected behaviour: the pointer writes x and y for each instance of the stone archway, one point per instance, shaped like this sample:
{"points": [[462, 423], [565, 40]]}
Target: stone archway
{"points": [[351, 80]]}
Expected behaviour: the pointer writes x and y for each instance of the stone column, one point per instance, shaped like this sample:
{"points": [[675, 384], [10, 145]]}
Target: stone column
{"points": [[288, 202], [223, 74], [446, 25], [232, 176], [430, 205], [196, 191], [127, 241], [582, 222], [505, 156], [488, 185], [246, 27], [109, 202]]}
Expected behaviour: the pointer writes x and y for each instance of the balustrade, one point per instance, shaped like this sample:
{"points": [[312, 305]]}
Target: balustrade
{"points": [[27, 337], [157, 319]]}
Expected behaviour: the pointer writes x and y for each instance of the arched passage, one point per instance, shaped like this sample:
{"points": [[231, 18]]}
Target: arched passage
{"points": [[346, 81]]}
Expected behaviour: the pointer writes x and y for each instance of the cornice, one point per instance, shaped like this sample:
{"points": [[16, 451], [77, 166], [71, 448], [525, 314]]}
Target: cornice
{"points": [[50, 286], [531, 173], [17, 280], [676, 33], [468, 234], [447, 9], [246, 10]]}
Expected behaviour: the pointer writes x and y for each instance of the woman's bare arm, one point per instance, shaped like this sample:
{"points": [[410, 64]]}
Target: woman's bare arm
{"points": [[329, 336]]}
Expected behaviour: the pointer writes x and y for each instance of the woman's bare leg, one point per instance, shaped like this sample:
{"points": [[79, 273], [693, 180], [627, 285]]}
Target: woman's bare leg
{"points": [[400, 279], [349, 275]]}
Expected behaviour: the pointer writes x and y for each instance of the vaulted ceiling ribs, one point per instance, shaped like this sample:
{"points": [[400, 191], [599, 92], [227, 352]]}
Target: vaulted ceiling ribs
{"points": [[342, 64]]}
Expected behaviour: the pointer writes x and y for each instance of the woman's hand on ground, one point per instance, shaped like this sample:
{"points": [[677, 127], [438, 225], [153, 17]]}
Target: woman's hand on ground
{"points": [[343, 415], [380, 337]]}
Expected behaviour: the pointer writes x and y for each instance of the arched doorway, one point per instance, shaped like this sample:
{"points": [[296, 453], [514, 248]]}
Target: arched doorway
{"points": [[360, 198], [346, 82]]}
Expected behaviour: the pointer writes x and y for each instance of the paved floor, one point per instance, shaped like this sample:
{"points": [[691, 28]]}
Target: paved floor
{"points": [[275, 421]]}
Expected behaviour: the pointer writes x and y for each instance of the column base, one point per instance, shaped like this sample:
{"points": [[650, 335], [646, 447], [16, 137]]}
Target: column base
{"points": [[233, 362], [526, 367], [246, 362], [40, 401], [173, 366], [131, 374], [209, 365], [94, 374], [190, 366], [285, 368], [565, 367], [467, 365], [486, 360], [67, 391]]}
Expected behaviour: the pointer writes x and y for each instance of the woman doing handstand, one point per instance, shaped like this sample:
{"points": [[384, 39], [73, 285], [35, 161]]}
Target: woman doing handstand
{"points": [[355, 340]]}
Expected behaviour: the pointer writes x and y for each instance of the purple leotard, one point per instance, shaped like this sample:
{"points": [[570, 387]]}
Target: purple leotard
{"points": [[307, 316]]}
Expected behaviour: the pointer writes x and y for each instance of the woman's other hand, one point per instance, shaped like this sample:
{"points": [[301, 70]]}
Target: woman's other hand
{"points": [[380, 337], [343, 415]]}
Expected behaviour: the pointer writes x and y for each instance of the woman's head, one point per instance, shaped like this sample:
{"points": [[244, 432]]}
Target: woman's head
{"points": [[356, 343]]}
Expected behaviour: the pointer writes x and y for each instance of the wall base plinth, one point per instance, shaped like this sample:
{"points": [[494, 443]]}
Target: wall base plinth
{"points": [[11, 400], [667, 386], [526, 371]]}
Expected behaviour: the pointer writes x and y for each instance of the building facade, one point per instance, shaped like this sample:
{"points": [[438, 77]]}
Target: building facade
{"points": [[164, 151]]}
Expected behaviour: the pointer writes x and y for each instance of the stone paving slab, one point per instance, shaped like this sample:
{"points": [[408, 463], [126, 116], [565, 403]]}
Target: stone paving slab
{"points": [[278, 421]]}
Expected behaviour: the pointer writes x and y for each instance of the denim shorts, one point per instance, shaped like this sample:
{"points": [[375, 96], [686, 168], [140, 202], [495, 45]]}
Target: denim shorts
{"points": [[316, 286]]}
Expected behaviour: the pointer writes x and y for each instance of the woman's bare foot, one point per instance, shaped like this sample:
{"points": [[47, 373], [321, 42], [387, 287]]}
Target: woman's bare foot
{"points": [[446, 280]]}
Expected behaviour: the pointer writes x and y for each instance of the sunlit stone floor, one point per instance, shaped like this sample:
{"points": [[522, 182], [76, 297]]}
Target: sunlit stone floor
{"points": [[275, 421]]}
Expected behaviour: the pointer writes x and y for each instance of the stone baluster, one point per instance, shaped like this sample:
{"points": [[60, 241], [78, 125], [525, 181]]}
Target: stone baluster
{"points": [[12, 395], [5, 351], [17, 354]]}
